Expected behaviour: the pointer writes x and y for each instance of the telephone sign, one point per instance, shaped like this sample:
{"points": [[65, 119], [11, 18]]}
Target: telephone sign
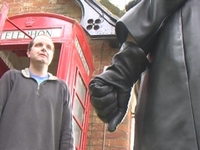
{"points": [[8, 35]]}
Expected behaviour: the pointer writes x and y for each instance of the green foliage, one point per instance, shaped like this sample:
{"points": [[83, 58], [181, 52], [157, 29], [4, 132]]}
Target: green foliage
{"points": [[112, 8]]}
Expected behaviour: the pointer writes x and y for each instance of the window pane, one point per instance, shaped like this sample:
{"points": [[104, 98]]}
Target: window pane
{"points": [[78, 110], [80, 87], [77, 133]]}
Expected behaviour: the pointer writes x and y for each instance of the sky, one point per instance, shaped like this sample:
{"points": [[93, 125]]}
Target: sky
{"points": [[120, 3]]}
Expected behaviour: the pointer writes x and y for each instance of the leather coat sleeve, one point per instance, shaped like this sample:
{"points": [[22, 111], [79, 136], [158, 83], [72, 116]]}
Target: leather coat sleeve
{"points": [[145, 19]]}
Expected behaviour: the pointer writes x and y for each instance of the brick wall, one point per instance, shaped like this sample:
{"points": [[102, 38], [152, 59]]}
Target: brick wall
{"points": [[98, 137], [101, 139], [63, 7]]}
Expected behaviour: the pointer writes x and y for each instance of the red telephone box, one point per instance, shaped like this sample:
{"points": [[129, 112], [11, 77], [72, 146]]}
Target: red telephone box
{"points": [[72, 61]]}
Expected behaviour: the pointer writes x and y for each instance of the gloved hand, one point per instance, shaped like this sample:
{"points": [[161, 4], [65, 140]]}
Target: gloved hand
{"points": [[110, 104], [110, 91]]}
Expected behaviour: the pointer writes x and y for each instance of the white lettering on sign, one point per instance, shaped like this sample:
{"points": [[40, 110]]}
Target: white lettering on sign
{"points": [[9, 35], [80, 51]]}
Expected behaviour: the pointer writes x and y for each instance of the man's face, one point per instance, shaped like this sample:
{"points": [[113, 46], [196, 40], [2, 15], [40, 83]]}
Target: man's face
{"points": [[42, 50]]}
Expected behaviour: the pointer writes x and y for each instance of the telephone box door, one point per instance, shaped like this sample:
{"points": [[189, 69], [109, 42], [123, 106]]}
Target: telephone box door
{"points": [[72, 60]]}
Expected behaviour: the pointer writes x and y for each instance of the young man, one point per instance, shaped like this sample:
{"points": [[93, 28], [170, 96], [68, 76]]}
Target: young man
{"points": [[35, 106]]}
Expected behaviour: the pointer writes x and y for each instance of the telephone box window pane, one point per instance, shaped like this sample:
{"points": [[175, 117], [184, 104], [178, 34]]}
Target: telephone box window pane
{"points": [[77, 133], [78, 110], [81, 89]]}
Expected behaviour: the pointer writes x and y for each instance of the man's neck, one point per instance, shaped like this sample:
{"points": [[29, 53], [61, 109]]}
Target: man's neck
{"points": [[39, 71]]}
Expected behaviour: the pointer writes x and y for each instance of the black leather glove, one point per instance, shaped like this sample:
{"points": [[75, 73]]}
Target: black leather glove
{"points": [[110, 91]]}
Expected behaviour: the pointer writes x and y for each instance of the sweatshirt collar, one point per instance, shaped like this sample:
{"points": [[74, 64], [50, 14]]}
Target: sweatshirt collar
{"points": [[25, 72]]}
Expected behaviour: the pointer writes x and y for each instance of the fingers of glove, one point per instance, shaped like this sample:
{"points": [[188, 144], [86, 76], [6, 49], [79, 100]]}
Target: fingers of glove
{"points": [[112, 124], [108, 117], [98, 89], [123, 99], [106, 111], [103, 102]]}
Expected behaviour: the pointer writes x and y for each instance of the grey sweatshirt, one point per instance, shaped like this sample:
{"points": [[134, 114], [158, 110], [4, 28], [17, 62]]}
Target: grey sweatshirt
{"points": [[32, 116]]}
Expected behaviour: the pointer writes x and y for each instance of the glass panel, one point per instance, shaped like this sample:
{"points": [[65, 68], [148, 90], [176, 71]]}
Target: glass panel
{"points": [[81, 88], [78, 110], [77, 133]]}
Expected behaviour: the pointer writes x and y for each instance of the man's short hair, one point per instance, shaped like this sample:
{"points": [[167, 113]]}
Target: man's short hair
{"points": [[32, 41]]}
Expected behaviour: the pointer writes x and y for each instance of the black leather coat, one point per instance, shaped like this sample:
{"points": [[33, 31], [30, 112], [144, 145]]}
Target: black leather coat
{"points": [[168, 108]]}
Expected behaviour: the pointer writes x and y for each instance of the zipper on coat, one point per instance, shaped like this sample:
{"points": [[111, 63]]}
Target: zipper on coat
{"points": [[38, 89]]}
